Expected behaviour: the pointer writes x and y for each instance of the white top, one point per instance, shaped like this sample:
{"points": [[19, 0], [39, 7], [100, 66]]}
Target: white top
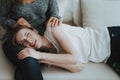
{"points": [[91, 44]]}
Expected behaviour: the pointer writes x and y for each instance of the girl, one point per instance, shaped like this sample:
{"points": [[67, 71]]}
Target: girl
{"points": [[69, 46]]}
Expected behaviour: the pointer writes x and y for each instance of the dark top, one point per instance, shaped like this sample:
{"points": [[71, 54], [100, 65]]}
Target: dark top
{"points": [[35, 13]]}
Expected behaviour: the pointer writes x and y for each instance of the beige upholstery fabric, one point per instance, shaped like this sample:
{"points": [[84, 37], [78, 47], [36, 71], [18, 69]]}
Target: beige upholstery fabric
{"points": [[99, 13], [6, 68], [92, 71]]}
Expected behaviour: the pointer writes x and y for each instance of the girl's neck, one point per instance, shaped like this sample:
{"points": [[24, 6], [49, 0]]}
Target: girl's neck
{"points": [[46, 44]]}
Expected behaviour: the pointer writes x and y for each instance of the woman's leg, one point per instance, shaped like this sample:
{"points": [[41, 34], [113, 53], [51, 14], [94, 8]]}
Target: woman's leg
{"points": [[114, 60], [27, 69], [30, 70]]}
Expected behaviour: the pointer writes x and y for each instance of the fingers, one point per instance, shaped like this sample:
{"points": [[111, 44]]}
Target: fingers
{"points": [[23, 54], [27, 52], [54, 22]]}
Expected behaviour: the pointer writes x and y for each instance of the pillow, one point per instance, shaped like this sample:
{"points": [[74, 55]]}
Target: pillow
{"points": [[62, 6], [99, 13], [65, 10], [77, 13]]}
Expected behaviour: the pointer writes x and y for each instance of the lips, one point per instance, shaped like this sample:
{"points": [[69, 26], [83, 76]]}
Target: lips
{"points": [[34, 43]]}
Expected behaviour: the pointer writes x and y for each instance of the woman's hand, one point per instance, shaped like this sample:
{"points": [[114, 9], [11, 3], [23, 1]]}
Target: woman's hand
{"points": [[28, 52], [54, 22], [23, 22]]}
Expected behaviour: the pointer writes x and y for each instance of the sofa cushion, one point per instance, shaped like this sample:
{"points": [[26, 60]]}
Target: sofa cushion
{"points": [[92, 71], [98, 13], [65, 10], [77, 17], [62, 6], [6, 68]]}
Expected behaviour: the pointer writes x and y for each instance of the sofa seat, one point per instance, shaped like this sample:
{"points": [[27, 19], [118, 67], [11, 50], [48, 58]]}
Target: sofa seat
{"points": [[92, 71]]}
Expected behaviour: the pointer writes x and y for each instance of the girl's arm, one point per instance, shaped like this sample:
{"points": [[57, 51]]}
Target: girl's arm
{"points": [[65, 61]]}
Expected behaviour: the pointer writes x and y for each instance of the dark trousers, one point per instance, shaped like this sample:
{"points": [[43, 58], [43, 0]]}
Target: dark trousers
{"points": [[114, 60], [27, 69]]}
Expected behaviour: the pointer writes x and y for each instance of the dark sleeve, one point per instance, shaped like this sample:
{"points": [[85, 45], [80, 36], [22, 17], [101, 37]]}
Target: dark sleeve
{"points": [[53, 9], [5, 21]]}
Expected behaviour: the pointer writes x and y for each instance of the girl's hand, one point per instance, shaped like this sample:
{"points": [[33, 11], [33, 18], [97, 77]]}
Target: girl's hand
{"points": [[28, 52], [54, 22], [23, 22]]}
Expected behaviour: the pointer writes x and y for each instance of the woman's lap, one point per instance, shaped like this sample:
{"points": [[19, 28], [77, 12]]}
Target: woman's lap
{"points": [[27, 66], [28, 69]]}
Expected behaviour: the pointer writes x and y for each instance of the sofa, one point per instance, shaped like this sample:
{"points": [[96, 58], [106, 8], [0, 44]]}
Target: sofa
{"points": [[80, 13]]}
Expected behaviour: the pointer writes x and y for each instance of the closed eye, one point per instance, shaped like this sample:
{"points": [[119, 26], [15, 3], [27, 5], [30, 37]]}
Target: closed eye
{"points": [[27, 34]]}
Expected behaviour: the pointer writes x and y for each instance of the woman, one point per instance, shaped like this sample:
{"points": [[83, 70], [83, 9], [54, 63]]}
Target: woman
{"points": [[75, 45], [31, 13]]}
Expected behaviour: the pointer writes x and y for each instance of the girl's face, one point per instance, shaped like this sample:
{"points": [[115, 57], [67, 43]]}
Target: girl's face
{"points": [[28, 38]]}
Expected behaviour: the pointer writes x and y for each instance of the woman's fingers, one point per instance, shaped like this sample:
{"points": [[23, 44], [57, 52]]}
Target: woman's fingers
{"points": [[22, 54], [54, 22]]}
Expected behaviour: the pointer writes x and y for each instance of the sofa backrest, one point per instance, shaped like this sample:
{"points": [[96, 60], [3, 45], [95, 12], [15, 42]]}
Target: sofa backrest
{"points": [[100, 13], [70, 11]]}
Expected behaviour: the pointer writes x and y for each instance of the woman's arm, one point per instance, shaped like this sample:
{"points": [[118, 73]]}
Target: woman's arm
{"points": [[53, 10], [53, 13], [65, 61]]}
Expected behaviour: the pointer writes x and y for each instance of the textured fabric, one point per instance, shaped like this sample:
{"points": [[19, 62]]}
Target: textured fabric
{"points": [[92, 44], [92, 71], [77, 16], [29, 69], [35, 13], [99, 13]]}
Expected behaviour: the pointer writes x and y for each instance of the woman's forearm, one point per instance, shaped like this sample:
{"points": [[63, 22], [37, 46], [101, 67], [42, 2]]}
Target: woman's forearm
{"points": [[66, 61], [70, 67], [58, 58]]}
